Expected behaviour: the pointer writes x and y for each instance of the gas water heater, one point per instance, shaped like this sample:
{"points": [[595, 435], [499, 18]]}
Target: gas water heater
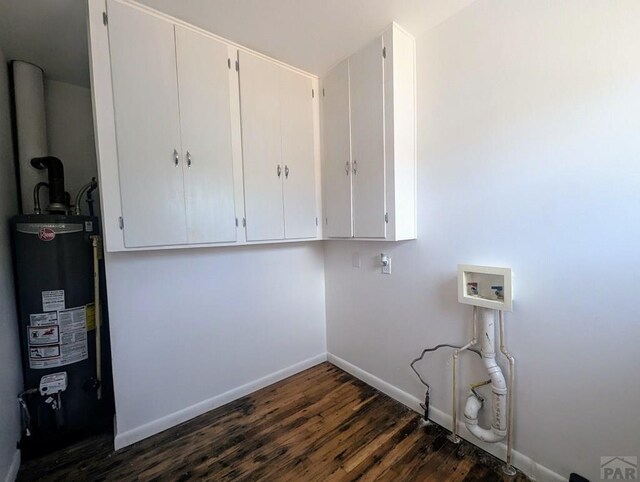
{"points": [[55, 267]]}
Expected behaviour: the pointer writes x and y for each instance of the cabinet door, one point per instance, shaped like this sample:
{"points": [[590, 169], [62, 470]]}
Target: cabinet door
{"points": [[367, 135], [337, 152], [205, 121], [299, 185], [145, 96], [261, 147]]}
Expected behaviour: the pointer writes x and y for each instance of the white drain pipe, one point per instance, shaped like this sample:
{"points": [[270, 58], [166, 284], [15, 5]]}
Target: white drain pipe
{"points": [[498, 429]]}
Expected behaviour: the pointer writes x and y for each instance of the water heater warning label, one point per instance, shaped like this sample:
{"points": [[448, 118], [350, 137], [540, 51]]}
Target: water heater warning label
{"points": [[53, 300], [43, 319], [61, 343], [44, 335], [42, 355]]}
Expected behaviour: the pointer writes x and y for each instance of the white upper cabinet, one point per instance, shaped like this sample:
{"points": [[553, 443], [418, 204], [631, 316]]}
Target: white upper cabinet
{"points": [[366, 90], [337, 152], [278, 151], [299, 182], [378, 198], [199, 142], [400, 134], [145, 99], [204, 80], [261, 147]]}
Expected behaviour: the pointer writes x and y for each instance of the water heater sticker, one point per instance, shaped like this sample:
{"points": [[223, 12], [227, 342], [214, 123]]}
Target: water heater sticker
{"points": [[73, 319], [72, 341], [43, 319], [44, 356], [53, 300], [88, 226], [73, 335], [43, 335], [91, 316]]}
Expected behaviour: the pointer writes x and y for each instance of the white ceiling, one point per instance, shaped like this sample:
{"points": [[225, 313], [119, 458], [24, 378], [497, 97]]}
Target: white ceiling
{"points": [[310, 34]]}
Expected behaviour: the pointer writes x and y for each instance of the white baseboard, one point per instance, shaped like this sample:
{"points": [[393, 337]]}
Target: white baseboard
{"points": [[529, 467], [12, 473], [139, 433], [403, 397]]}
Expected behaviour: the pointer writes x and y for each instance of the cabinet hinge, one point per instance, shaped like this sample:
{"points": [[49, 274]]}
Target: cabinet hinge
{"points": [[326, 220], [244, 222], [313, 93], [237, 66], [316, 221], [236, 222], [229, 63], [386, 217], [121, 222], [323, 92], [105, 18], [384, 52]]}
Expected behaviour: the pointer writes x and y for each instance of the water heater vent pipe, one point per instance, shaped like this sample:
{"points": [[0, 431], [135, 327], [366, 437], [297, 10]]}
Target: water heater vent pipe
{"points": [[31, 125], [57, 195]]}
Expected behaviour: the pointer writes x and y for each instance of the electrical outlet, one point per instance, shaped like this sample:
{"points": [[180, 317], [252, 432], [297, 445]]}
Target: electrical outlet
{"points": [[385, 261], [355, 260]]}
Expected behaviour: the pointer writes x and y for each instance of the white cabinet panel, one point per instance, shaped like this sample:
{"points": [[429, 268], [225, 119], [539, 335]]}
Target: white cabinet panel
{"points": [[337, 152], [205, 118], [188, 145], [147, 123], [261, 147], [400, 133], [369, 101], [299, 184], [367, 137]]}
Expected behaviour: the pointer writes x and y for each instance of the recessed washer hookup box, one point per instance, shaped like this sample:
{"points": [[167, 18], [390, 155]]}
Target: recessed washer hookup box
{"points": [[485, 286]]}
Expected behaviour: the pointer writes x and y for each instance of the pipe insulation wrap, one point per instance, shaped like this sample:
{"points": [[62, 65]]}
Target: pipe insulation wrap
{"points": [[31, 126], [473, 405]]}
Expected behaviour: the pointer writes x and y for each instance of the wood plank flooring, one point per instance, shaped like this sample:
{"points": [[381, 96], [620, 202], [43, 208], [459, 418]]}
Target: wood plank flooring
{"points": [[319, 425]]}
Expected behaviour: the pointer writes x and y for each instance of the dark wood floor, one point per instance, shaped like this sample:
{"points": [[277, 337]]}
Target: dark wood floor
{"points": [[319, 425]]}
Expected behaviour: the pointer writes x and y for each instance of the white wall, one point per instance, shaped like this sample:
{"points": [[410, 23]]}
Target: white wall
{"points": [[529, 157], [10, 369], [70, 135], [191, 325]]}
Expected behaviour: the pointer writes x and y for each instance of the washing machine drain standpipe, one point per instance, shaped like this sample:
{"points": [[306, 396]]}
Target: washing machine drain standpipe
{"points": [[502, 394]]}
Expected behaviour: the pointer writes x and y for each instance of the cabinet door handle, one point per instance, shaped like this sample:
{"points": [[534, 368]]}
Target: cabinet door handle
{"points": [[355, 167], [279, 170], [188, 159], [346, 168], [176, 157], [286, 172]]}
